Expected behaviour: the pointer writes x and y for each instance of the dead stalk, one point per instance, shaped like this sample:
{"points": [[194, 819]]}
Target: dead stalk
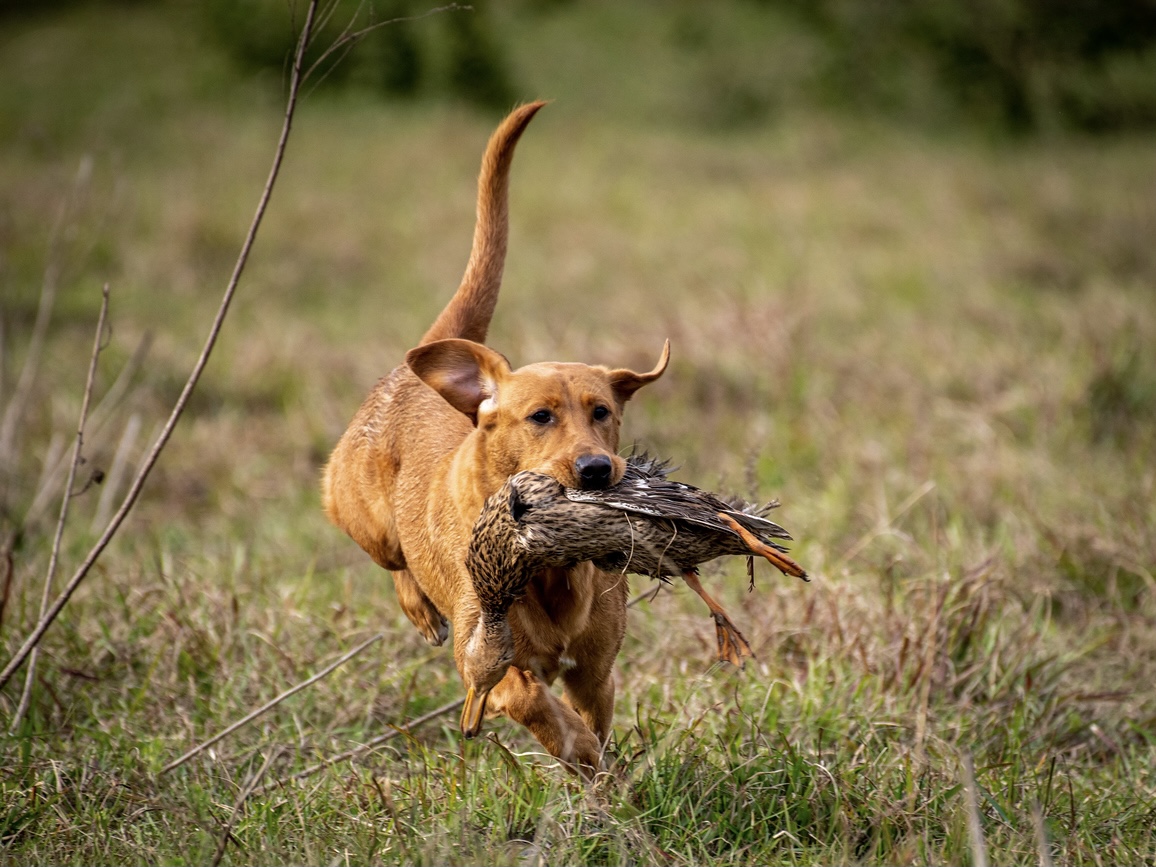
{"points": [[178, 409], [974, 826], [356, 751], [77, 457], [227, 834], [272, 704]]}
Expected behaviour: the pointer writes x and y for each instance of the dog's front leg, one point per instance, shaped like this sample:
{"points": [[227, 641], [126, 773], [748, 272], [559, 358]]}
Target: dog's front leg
{"points": [[526, 699], [417, 607]]}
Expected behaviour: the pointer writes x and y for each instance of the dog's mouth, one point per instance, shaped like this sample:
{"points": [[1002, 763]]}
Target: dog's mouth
{"points": [[570, 475]]}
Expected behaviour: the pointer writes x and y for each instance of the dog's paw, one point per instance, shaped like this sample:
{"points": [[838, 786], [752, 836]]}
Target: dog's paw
{"points": [[433, 627], [437, 636]]}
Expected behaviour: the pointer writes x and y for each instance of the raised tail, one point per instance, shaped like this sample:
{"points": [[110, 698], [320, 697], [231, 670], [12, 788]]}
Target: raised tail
{"points": [[469, 312]]}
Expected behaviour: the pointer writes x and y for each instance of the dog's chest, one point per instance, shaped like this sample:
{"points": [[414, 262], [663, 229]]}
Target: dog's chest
{"points": [[555, 609]]}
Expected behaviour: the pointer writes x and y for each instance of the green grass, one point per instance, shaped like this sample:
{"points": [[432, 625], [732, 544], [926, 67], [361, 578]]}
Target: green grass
{"points": [[937, 353]]}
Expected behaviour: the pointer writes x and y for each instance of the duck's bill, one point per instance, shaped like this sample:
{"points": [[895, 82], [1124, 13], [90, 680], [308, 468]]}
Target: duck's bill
{"points": [[473, 712]]}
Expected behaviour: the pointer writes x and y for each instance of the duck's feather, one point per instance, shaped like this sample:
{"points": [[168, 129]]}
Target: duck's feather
{"points": [[646, 490]]}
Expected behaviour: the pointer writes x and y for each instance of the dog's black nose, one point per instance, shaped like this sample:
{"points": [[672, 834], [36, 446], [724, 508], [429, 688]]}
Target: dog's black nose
{"points": [[594, 471]]}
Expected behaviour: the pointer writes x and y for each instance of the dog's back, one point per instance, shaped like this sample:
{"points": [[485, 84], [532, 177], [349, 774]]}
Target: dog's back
{"points": [[358, 484]]}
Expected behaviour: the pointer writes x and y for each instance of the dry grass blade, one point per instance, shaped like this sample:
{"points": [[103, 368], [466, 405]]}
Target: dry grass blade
{"points": [[646, 595], [974, 828], [190, 384], [884, 525], [66, 498], [356, 751], [272, 704], [1041, 836], [227, 834]]}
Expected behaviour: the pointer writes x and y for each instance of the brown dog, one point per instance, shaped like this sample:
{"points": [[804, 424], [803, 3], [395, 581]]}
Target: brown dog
{"points": [[440, 434]]}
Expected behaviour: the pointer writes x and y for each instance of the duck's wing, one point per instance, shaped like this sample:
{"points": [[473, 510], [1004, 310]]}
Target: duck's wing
{"points": [[658, 497]]}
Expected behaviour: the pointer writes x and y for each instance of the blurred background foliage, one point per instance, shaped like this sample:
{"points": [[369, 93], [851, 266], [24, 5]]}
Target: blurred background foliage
{"points": [[1019, 66]]}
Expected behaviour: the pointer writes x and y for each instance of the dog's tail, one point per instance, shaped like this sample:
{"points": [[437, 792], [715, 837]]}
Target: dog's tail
{"points": [[469, 311]]}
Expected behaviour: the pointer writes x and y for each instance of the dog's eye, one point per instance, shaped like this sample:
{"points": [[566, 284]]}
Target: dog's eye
{"points": [[542, 416], [601, 412]]}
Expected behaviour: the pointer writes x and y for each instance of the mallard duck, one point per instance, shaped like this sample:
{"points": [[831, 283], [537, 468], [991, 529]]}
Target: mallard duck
{"points": [[646, 524], [521, 530], [675, 527]]}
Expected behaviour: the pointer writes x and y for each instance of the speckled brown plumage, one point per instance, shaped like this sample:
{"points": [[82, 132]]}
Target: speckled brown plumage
{"points": [[646, 524], [675, 526]]}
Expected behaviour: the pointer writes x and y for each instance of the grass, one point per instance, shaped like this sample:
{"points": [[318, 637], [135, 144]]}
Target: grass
{"points": [[938, 353]]}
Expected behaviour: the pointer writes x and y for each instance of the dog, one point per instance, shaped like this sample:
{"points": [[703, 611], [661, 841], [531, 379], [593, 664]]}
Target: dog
{"points": [[440, 434]]}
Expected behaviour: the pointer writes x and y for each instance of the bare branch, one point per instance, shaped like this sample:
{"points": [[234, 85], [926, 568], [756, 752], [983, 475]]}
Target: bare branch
{"points": [[350, 37], [272, 704], [77, 454], [357, 751], [178, 409]]}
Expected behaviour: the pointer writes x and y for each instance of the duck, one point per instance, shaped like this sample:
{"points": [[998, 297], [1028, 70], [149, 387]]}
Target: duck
{"points": [[646, 524], [507, 548], [675, 527]]}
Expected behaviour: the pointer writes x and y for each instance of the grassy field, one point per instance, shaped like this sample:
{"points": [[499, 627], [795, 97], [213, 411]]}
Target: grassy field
{"points": [[940, 353]]}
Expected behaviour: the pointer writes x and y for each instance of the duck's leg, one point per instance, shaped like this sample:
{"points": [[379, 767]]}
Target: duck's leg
{"points": [[732, 647], [777, 558]]}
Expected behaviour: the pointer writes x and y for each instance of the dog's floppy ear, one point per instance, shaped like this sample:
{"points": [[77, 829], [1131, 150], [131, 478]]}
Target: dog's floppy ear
{"points": [[463, 372], [626, 382]]}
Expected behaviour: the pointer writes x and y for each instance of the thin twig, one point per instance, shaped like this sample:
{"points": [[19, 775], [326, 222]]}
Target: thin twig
{"points": [[646, 595], [350, 37], [77, 456], [100, 417], [150, 460], [272, 704], [244, 796], [356, 751]]}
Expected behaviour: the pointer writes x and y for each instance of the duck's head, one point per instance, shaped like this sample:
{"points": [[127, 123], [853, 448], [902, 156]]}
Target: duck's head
{"points": [[489, 653], [510, 542]]}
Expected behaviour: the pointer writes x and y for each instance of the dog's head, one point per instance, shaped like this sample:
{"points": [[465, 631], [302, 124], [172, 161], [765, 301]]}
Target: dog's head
{"points": [[555, 418]]}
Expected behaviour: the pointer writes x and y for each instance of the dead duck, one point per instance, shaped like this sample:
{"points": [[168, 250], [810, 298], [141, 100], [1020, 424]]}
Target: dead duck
{"points": [[506, 549], [646, 524], [676, 526]]}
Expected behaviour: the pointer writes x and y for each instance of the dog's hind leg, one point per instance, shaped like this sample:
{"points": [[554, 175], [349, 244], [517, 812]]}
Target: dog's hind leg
{"points": [[417, 607]]}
